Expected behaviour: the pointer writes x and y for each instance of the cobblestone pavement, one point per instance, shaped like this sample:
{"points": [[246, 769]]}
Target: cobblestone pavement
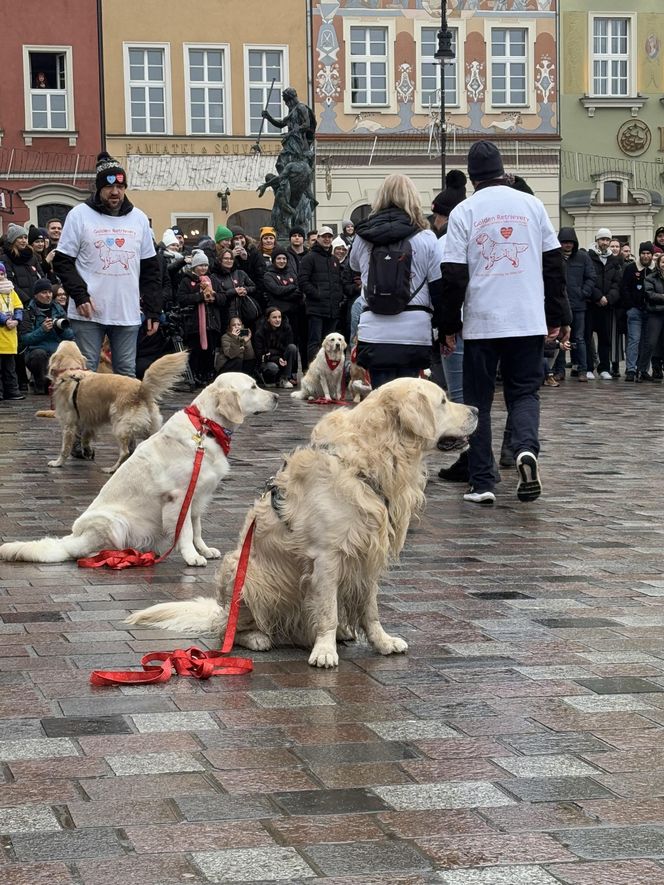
{"points": [[520, 741]]}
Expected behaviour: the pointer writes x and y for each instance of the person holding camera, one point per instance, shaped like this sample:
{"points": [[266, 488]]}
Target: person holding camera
{"points": [[43, 327], [236, 353]]}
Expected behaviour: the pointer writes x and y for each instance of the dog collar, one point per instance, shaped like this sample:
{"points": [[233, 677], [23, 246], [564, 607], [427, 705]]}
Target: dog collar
{"points": [[210, 428], [332, 364]]}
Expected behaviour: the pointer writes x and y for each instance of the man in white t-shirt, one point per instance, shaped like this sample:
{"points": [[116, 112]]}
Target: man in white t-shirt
{"points": [[108, 266], [503, 264]]}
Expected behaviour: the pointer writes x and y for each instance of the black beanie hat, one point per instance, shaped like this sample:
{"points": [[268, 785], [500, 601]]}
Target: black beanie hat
{"points": [[454, 193], [238, 232], [42, 285], [35, 233], [296, 230], [484, 162], [278, 250], [646, 247], [106, 165]]}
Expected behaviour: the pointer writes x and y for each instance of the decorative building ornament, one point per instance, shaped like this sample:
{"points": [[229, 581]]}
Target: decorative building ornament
{"points": [[474, 82], [634, 138], [329, 84], [405, 86], [544, 80]]}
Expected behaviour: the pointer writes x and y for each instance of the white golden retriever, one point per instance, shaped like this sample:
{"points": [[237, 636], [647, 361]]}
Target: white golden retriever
{"points": [[86, 401], [324, 377], [140, 504], [335, 514]]}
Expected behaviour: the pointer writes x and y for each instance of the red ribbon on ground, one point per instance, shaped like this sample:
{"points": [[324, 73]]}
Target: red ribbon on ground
{"points": [[192, 661]]}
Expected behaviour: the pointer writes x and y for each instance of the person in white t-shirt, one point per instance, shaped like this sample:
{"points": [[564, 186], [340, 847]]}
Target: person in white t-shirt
{"points": [[108, 265], [503, 265]]}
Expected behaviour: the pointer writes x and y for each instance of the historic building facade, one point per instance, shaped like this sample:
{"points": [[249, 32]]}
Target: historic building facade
{"points": [[378, 91], [183, 97], [50, 120], [612, 92]]}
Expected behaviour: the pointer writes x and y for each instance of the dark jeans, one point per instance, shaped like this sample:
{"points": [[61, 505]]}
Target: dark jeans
{"points": [[598, 320], [652, 340], [8, 379], [272, 371], [202, 361], [382, 376], [521, 372], [319, 327], [37, 361], [237, 364], [578, 341]]}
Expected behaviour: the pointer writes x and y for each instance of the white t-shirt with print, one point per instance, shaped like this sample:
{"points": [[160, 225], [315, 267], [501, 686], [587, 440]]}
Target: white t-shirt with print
{"points": [[108, 250], [501, 233]]}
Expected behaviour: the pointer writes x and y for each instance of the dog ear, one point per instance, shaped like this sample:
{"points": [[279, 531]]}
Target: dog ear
{"points": [[229, 405], [416, 415]]}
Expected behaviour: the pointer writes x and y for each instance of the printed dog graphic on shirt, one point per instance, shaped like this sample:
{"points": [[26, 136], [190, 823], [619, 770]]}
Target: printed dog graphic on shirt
{"points": [[493, 252], [111, 256]]}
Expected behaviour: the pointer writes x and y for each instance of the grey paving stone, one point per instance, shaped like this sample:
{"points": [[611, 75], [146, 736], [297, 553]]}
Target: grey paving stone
{"points": [[555, 789], [347, 801], [36, 748], [525, 875], [213, 807], [194, 721], [412, 729], [20, 729], [554, 671], [575, 623], [251, 864], [543, 744], [607, 703], [27, 819], [355, 858], [31, 617], [620, 685], [366, 751], [561, 765], [102, 842], [154, 763], [616, 842], [72, 726], [421, 797], [295, 698]]}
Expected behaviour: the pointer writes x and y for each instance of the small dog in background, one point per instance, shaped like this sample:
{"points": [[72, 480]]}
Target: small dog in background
{"points": [[85, 401], [325, 375]]}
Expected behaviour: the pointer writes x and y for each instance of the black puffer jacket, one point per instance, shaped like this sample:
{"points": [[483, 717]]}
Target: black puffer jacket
{"points": [[321, 283], [23, 269], [269, 343], [632, 286], [654, 287], [189, 296], [387, 226], [608, 276], [579, 271]]}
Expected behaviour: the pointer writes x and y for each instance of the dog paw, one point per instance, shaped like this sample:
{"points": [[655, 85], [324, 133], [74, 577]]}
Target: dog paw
{"points": [[254, 640], [391, 645], [208, 552], [324, 657], [195, 559], [56, 463], [108, 470]]}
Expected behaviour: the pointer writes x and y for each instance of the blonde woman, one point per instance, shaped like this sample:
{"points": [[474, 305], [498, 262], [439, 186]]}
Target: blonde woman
{"points": [[395, 333]]}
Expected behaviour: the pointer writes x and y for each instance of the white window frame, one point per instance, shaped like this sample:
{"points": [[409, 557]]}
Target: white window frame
{"points": [[530, 106], [168, 117], [28, 91], [226, 86], [460, 106], [632, 54], [285, 74], [362, 22], [175, 216]]}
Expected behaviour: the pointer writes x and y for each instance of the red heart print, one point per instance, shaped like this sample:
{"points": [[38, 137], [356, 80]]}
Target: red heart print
{"points": [[505, 232], [120, 242]]}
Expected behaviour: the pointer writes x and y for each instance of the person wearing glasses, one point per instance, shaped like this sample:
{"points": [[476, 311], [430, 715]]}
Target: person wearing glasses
{"points": [[108, 266]]}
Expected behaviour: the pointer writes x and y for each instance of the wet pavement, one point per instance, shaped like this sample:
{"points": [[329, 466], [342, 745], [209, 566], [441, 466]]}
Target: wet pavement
{"points": [[519, 742]]}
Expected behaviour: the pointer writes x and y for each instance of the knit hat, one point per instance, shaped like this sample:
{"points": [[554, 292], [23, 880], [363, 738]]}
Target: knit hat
{"points": [[36, 233], [346, 222], [14, 231], [238, 232], [660, 230], [338, 243], [205, 243], [42, 285], [484, 162], [198, 257], [3, 269], [267, 231], [603, 233], [296, 230], [169, 238], [454, 193], [222, 233], [177, 231], [646, 247], [278, 250], [106, 168]]}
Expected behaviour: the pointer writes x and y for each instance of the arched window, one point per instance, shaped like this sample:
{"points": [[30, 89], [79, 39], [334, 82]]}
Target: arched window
{"points": [[250, 220], [359, 213], [47, 211]]}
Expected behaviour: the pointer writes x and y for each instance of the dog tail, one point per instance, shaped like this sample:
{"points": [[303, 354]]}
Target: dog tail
{"points": [[199, 615], [163, 373], [48, 549]]}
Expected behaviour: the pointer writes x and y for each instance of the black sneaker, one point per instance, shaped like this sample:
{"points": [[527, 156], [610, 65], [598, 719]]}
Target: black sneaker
{"points": [[15, 396], [630, 376], [86, 453], [457, 472], [644, 376], [529, 487], [506, 457]]}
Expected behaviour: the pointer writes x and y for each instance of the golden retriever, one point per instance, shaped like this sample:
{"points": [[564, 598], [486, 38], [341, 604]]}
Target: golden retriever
{"points": [[324, 377], [86, 401], [334, 516], [140, 504]]}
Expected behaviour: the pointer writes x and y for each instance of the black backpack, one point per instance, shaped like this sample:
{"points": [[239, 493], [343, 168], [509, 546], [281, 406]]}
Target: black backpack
{"points": [[388, 282]]}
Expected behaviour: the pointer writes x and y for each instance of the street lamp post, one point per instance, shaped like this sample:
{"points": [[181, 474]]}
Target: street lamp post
{"points": [[443, 54]]}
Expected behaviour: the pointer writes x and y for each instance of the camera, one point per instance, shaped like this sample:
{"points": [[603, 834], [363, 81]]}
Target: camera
{"points": [[61, 324], [244, 333]]}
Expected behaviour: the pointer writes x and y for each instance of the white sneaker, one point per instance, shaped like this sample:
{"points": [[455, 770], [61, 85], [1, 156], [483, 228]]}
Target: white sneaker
{"points": [[606, 376], [285, 383], [590, 376], [484, 499], [529, 486]]}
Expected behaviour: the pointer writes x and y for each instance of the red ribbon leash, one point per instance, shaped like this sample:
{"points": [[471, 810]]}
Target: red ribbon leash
{"points": [[192, 661]]}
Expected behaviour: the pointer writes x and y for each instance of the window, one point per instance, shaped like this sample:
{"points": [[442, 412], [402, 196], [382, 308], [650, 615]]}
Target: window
{"points": [[265, 74], [610, 57], [429, 85], [509, 65], [368, 66], [250, 220], [49, 96], [206, 90], [146, 76], [193, 226], [612, 192]]}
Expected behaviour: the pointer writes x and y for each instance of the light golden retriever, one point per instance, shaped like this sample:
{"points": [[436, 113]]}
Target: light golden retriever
{"points": [[140, 504], [86, 401], [336, 513], [324, 377]]}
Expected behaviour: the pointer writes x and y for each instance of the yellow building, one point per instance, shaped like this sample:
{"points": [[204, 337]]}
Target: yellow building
{"points": [[184, 88]]}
